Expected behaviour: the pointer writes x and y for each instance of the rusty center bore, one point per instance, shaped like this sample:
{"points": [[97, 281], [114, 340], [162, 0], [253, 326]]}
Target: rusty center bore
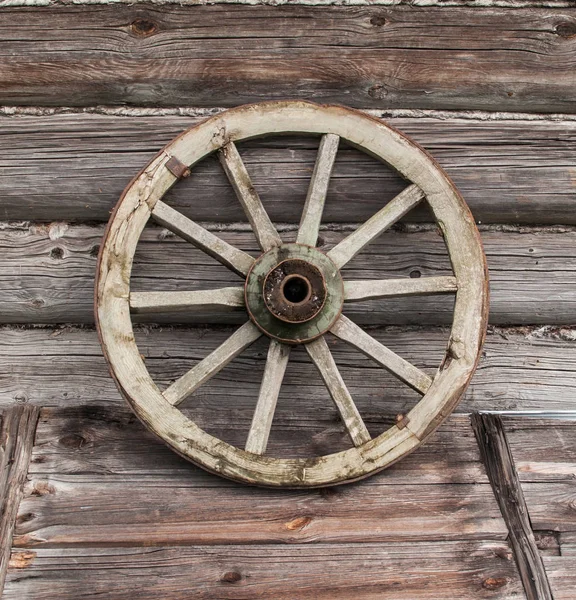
{"points": [[294, 291]]}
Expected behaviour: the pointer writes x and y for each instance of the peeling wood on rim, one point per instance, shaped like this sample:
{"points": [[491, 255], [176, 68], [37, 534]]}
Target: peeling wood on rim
{"points": [[142, 200]]}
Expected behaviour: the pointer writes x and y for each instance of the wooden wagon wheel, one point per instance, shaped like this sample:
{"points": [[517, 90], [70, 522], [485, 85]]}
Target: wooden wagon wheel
{"points": [[293, 292]]}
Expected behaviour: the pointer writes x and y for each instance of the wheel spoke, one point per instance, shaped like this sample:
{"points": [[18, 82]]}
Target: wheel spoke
{"points": [[264, 230], [347, 249], [312, 213], [354, 335], [233, 258], [324, 361], [151, 302], [278, 355], [212, 364], [357, 291]]}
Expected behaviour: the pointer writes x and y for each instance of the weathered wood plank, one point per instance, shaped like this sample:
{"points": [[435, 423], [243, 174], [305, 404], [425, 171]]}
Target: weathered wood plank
{"points": [[47, 274], [499, 463], [519, 371], [74, 167], [562, 574], [437, 57], [411, 571], [117, 511], [16, 440], [100, 440], [544, 450]]}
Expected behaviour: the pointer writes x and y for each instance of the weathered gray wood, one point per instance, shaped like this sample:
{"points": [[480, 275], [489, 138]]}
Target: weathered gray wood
{"points": [[317, 190], [562, 574], [366, 233], [347, 330], [544, 450], [324, 361], [262, 226], [499, 463], [320, 571], [63, 167], [228, 298], [373, 289], [229, 256], [276, 363], [47, 274], [18, 426], [520, 370], [100, 510], [98, 440], [184, 386], [361, 56]]}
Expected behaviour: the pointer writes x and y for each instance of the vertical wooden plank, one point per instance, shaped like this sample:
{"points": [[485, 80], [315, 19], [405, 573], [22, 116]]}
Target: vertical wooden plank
{"points": [[16, 442], [501, 470]]}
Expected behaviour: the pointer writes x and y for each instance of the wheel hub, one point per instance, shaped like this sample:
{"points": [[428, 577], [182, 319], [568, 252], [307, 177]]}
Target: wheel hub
{"points": [[294, 293]]}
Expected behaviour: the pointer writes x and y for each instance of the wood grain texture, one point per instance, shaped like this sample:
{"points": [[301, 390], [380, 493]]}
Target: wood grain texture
{"points": [[499, 464], [47, 274], [82, 510], [75, 166], [519, 371], [544, 452], [364, 571], [363, 56], [99, 440], [17, 431]]}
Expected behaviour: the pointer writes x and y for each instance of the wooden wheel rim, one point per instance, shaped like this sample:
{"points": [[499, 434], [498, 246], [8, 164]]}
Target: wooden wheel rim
{"points": [[143, 196]]}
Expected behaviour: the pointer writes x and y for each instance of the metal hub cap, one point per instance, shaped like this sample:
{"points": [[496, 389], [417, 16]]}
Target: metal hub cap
{"points": [[294, 293]]}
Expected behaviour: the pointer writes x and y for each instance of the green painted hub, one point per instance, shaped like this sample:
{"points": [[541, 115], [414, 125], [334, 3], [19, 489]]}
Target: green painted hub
{"points": [[294, 293]]}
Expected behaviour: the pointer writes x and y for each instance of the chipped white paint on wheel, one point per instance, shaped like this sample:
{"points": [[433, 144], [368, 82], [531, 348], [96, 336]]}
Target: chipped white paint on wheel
{"points": [[158, 410]]}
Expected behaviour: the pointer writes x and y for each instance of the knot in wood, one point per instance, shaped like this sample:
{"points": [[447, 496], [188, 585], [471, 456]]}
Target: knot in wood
{"points": [[143, 27]]}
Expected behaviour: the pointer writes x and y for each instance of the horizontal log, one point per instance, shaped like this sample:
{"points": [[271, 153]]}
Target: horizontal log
{"points": [[116, 511], [98, 440], [409, 571], [433, 57], [517, 372], [75, 166], [47, 275], [544, 450], [562, 574]]}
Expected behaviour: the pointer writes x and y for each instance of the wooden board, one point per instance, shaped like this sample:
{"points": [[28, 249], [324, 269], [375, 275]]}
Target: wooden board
{"points": [[433, 57], [544, 453], [448, 570], [108, 440], [47, 274], [75, 166], [17, 428], [519, 371], [103, 461]]}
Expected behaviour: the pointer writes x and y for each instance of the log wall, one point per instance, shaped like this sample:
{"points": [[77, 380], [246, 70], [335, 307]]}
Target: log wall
{"points": [[91, 503]]}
